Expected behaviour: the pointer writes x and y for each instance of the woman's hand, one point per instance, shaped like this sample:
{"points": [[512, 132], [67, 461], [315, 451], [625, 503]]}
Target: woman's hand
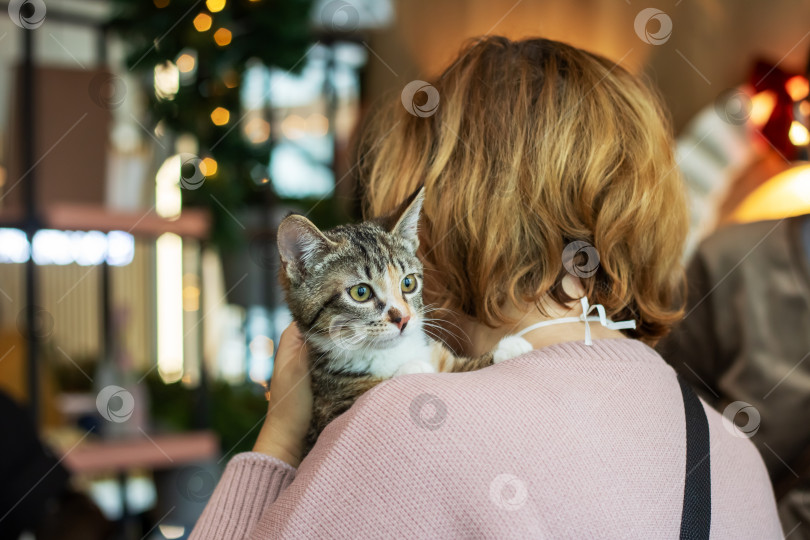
{"points": [[290, 409]]}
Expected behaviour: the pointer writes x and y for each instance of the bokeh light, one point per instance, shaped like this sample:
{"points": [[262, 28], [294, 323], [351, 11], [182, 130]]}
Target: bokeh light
{"points": [[220, 116]]}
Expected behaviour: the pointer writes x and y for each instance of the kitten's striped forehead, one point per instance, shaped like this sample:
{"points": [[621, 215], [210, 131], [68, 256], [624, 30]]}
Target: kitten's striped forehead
{"points": [[374, 247]]}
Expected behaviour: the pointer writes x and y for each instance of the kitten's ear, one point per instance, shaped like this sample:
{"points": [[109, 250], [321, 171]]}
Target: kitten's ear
{"points": [[405, 221], [299, 241]]}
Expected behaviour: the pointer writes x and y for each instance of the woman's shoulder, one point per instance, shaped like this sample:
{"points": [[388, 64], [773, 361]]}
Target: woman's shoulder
{"points": [[570, 421], [503, 396]]}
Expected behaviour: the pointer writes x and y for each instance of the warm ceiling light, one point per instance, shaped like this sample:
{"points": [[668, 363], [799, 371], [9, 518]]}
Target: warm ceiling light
{"points": [[797, 87], [160, 4], [215, 5], [222, 37], [220, 116], [762, 105], [798, 134], [208, 166], [786, 194], [185, 63], [202, 22]]}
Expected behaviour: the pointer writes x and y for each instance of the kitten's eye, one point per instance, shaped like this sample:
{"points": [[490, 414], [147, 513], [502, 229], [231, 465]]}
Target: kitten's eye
{"points": [[408, 283], [361, 292]]}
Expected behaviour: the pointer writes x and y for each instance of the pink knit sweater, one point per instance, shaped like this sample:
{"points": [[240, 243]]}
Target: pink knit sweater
{"points": [[568, 441]]}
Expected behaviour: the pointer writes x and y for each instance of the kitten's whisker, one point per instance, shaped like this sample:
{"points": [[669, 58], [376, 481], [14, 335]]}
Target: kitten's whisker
{"points": [[444, 321], [439, 339], [309, 334], [434, 307], [442, 336], [430, 309], [442, 328]]}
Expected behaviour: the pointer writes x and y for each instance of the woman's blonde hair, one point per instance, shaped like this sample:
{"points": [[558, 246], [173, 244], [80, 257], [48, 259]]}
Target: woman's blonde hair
{"points": [[534, 145]]}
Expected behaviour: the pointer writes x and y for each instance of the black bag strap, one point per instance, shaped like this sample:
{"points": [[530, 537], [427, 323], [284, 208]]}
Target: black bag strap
{"points": [[696, 519]]}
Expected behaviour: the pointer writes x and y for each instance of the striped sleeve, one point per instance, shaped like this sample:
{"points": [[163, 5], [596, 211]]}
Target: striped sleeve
{"points": [[251, 482]]}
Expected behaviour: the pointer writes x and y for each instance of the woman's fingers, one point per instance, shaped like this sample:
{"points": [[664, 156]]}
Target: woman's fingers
{"points": [[291, 357], [290, 380], [290, 408]]}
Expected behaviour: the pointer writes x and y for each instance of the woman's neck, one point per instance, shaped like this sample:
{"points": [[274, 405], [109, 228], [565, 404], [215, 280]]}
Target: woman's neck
{"points": [[482, 338]]}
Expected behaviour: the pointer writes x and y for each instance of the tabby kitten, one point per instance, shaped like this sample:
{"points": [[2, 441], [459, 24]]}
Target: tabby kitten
{"points": [[356, 294]]}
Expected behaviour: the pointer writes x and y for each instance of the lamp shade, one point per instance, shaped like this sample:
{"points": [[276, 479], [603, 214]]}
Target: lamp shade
{"points": [[785, 195]]}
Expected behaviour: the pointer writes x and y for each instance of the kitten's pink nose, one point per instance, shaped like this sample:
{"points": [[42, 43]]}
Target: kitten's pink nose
{"points": [[398, 319], [402, 322]]}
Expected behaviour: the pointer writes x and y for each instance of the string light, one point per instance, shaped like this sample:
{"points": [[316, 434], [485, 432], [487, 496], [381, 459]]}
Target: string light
{"points": [[762, 105], [160, 4], [222, 37], [202, 22], [257, 130], [220, 116], [798, 134], [215, 5], [797, 87], [185, 63], [208, 166]]}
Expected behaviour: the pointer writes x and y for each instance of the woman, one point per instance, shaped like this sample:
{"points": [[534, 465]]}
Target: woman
{"points": [[535, 145]]}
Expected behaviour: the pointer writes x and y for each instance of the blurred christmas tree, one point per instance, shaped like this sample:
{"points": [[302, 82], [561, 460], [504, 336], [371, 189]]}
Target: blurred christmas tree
{"points": [[196, 54]]}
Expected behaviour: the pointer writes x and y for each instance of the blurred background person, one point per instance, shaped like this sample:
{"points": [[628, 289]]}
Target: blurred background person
{"points": [[744, 344], [37, 497]]}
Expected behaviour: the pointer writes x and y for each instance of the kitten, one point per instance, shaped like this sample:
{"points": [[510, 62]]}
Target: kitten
{"points": [[356, 293]]}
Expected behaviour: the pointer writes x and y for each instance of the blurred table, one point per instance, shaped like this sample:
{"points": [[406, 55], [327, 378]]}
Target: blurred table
{"points": [[142, 452]]}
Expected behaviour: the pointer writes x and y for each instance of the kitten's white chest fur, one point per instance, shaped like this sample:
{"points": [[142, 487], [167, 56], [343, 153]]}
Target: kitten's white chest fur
{"points": [[411, 354], [506, 349]]}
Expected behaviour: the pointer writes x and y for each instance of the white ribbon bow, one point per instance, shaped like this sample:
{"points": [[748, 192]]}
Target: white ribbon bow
{"points": [[586, 318]]}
